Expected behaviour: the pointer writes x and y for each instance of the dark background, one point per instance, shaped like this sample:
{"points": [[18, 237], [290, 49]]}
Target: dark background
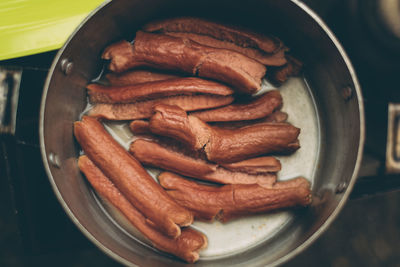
{"points": [[34, 230]]}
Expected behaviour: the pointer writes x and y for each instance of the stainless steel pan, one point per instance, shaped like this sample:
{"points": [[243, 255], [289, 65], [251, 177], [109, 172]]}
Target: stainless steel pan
{"points": [[326, 102]]}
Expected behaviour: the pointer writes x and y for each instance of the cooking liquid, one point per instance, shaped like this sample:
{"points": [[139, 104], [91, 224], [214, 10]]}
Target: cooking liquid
{"points": [[225, 239]]}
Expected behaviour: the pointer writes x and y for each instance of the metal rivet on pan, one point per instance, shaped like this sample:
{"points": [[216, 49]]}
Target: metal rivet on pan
{"points": [[54, 160], [341, 187], [66, 66], [347, 93]]}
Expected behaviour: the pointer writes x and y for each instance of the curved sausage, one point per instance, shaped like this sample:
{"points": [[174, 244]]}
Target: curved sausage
{"points": [[131, 178], [236, 35], [224, 145], [156, 155], [162, 51], [144, 109], [186, 246], [131, 93], [256, 108], [138, 76], [232, 201], [270, 59]]}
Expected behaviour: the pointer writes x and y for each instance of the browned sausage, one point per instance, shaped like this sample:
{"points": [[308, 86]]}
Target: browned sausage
{"points": [[143, 127], [280, 74], [224, 145], [256, 108], [162, 51], [232, 201], [255, 165], [138, 76], [144, 109], [153, 154], [150, 90], [270, 59], [186, 246], [131, 178], [276, 116], [236, 35]]}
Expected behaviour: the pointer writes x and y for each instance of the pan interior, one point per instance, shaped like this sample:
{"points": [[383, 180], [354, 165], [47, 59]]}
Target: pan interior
{"points": [[238, 235]]}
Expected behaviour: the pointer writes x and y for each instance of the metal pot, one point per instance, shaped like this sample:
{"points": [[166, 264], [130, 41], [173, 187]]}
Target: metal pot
{"points": [[331, 88]]}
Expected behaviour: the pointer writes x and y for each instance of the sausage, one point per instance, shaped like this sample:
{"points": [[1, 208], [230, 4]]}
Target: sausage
{"points": [[236, 35], [256, 108], [186, 246], [162, 51], [255, 165], [279, 75], [233, 201], [131, 178], [270, 59], [150, 90], [140, 127], [153, 154], [143, 127], [144, 109], [138, 76], [224, 145], [276, 116]]}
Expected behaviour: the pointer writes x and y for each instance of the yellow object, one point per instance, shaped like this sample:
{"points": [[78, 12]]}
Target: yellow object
{"points": [[34, 26]]}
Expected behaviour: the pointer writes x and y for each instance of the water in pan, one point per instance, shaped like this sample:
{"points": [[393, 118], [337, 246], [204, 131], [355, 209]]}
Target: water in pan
{"points": [[240, 234]]}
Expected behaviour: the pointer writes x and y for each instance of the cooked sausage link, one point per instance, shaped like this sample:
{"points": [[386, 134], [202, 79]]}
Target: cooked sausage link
{"points": [[256, 108], [186, 246], [236, 35], [144, 109], [153, 154], [158, 89], [232, 201], [131, 178], [178, 54], [224, 145]]}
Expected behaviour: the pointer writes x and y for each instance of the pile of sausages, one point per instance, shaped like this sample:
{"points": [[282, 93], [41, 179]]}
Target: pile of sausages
{"points": [[177, 84]]}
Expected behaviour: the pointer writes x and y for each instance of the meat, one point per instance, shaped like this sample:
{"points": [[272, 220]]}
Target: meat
{"points": [[186, 246], [178, 54], [131, 178], [224, 145], [138, 76], [256, 108], [143, 127], [279, 75], [140, 127], [276, 116], [153, 154], [150, 90], [270, 59], [236, 35], [255, 165], [232, 201], [144, 109]]}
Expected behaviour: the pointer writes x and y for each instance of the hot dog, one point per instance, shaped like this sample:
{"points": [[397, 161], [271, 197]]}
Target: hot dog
{"points": [[224, 145], [158, 89], [232, 201], [131, 178], [186, 246], [162, 51]]}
